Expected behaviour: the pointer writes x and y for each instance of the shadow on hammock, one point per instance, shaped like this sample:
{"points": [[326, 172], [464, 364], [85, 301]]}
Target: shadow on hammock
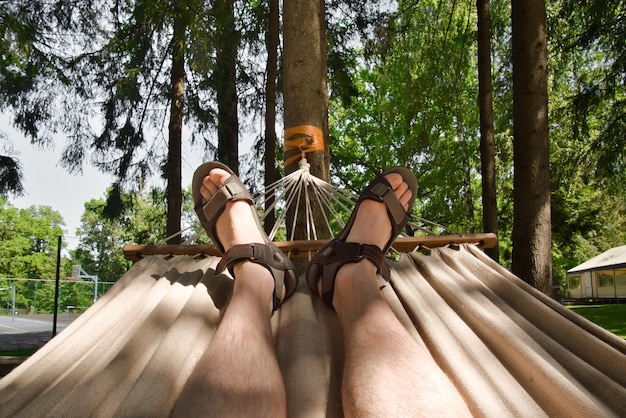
{"points": [[509, 349]]}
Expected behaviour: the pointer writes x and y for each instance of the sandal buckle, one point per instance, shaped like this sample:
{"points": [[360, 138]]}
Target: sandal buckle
{"points": [[380, 190], [347, 251], [258, 251]]}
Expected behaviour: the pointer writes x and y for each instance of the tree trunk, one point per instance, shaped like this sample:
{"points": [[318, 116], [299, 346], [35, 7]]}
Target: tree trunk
{"points": [[271, 171], [174, 187], [468, 196], [487, 140], [306, 92], [531, 258], [226, 85]]}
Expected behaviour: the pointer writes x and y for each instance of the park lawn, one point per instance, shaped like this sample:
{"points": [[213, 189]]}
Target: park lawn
{"points": [[610, 317]]}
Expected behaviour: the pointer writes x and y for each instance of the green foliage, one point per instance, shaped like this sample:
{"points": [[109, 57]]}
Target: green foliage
{"points": [[416, 107], [587, 130], [28, 241], [10, 169], [589, 66], [28, 250], [140, 218]]}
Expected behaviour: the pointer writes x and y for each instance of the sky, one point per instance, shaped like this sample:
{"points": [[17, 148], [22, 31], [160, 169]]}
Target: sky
{"points": [[47, 183]]}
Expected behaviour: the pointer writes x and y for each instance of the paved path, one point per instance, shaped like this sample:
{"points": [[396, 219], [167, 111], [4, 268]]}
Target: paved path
{"points": [[29, 331]]}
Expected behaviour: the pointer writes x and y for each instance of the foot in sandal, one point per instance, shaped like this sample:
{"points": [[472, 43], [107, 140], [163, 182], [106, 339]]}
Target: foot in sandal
{"points": [[228, 215], [382, 211]]}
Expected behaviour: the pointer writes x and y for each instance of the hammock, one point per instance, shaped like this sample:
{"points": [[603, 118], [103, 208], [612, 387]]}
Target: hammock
{"points": [[509, 349]]}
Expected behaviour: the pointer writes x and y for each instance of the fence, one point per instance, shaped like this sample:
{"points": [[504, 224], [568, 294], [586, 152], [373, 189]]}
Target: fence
{"points": [[36, 296]]}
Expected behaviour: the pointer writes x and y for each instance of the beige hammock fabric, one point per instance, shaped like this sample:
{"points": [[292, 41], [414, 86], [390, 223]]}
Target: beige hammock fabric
{"points": [[510, 350]]}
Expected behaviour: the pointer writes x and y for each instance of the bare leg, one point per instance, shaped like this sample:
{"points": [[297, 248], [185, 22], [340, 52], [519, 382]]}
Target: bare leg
{"points": [[387, 373], [238, 375]]}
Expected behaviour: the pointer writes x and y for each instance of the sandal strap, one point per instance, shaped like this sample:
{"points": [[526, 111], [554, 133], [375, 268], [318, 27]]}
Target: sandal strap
{"points": [[266, 255], [381, 191], [230, 191], [338, 253]]}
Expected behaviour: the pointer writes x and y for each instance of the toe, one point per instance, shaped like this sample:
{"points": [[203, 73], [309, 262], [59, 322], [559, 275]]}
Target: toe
{"points": [[400, 188], [394, 180], [405, 198], [212, 182]]}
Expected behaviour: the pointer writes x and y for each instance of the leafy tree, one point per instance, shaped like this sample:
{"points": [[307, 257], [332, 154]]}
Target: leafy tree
{"points": [[587, 93], [124, 61], [28, 241], [416, 106], [31, 71], [586, 222], [102, 237], [590, 63], [141, 221], [10, 169], [28, 250]]}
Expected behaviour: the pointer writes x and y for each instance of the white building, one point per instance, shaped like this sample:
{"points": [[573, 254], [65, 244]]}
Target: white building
{"points": [[602, 277]]}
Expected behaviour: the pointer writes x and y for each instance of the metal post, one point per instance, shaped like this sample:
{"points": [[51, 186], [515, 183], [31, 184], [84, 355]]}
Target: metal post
{"points": [[56, 289], [13, 303], [35, 299]]}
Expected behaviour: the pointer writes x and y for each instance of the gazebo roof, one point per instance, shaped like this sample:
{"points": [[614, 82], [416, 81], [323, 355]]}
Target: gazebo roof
{"points": [[615, 257]]}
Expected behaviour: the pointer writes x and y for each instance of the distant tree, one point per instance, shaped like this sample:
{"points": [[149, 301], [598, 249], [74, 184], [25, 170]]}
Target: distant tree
{"points": [[102, 237], [28, 241], [532, 238], [142, 220], [587, 42], [28, 250]]}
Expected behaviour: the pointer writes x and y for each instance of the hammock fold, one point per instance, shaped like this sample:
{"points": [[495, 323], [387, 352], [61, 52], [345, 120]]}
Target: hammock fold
{"points": [[509, 349]]}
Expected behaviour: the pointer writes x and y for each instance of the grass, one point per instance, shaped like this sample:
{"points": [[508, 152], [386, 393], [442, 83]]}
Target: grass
{"points": [[609, 317], [19, 353]]}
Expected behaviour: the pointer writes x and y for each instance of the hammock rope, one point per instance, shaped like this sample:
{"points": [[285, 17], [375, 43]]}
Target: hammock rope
{"points": [[301, 189], [305, 190]]}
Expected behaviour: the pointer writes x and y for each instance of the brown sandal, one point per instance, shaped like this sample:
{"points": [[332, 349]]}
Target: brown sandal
{"points": [[265, 253], [337, 252]]}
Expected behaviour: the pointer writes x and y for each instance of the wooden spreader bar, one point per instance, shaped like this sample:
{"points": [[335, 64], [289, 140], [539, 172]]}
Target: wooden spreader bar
{"points": [[301, 249]]}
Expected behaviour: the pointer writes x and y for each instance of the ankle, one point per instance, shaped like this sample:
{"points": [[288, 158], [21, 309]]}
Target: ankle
{"points": [[355, 284], [254, 282]]}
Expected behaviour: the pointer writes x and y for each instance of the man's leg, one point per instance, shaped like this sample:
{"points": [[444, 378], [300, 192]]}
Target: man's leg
{"points": [[387, 373], [238, 375]]}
